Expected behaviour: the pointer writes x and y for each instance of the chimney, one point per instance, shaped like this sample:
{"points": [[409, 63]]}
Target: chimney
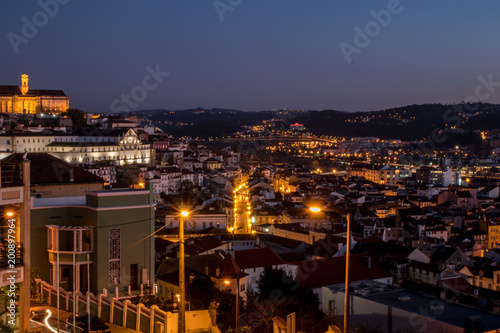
{"points": [[71, 175], [367, 260], [257, 241]]}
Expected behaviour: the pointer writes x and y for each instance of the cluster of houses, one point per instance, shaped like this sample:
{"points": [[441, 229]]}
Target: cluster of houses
{"points": [[419, 237], [422, 231]]}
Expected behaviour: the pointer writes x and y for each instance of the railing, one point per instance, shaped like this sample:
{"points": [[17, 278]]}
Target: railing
{"points": [[10, 258], [11, 174], [125, 292], [124, 313]]}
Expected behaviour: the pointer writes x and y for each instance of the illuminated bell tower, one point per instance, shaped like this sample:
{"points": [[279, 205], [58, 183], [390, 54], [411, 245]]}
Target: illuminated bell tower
{"points": [[24, 83]]}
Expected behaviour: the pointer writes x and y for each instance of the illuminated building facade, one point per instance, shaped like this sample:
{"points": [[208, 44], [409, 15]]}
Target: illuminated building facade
{"points": [[117, 147], [23, 100]]}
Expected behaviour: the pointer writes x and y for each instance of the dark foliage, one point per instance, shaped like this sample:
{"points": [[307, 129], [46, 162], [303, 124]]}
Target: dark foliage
{"points": [[278, 294]]}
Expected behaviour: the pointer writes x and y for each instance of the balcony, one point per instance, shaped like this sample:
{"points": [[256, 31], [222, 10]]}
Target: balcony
{"points": [[68, 256], [11, 185], [11, 265], [69, 241], [11, 175], [12, 259]]}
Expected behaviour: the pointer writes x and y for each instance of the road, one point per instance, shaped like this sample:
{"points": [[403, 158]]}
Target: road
{"points": [[38, 322]]}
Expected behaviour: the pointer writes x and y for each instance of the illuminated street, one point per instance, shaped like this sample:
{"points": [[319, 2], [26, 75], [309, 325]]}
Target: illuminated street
{"points": [[242, 208]]}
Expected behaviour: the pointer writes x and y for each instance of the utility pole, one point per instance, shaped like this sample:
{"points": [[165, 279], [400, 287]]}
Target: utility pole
{"points": [[57, 284], [182, 282], [347, 272], [88, 288], [74, 288], [237, 303]]}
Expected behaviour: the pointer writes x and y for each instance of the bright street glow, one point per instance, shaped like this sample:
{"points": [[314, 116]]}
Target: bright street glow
{"points": [[184, 213], [315, 209], [10, 214], [227, 282]]}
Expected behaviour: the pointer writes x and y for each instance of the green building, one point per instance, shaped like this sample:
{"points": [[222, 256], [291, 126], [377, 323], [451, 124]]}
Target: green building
{"points": [[110, 231]]}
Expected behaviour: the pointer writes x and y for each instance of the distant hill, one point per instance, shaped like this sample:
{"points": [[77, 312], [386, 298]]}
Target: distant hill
{"points": [[406, 123]]}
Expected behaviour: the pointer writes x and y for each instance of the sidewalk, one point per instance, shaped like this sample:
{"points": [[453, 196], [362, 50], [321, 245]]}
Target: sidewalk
{"points": [[63, 316]]}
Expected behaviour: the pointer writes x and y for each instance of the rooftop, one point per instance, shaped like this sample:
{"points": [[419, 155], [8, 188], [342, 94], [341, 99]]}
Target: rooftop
{"points": [[451, 313], [258, 257], [46, 169]]}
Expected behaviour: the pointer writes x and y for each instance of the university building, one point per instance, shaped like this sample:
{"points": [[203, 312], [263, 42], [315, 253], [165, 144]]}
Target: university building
{"points": [[23, 100], [116, 146]]}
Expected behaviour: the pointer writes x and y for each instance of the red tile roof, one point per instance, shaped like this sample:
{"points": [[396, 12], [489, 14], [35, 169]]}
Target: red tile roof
{"points": [[259, 257], [332, 271], [229, 269], [47, 170], [458, 284]]}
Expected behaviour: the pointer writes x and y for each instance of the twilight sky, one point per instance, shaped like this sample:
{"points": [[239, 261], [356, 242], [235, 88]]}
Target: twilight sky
{"points": [[262, 55]]}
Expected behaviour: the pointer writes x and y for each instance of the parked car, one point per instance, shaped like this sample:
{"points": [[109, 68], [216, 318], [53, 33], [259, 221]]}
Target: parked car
{"points": [[97, 325]]}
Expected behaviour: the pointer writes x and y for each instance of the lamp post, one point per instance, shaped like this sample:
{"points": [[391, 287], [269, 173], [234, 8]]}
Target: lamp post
{"points": [[227, 282], [182, 282], [347, 272], [350, 217]]}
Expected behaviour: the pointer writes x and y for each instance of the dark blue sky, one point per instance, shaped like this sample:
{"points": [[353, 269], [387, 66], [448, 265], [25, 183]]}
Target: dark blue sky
{"points": [[264, 55]]}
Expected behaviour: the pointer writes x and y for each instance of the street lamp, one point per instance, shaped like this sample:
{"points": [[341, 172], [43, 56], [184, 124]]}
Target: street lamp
{"points": [[227, 282], [182, 282], [347, 262]]}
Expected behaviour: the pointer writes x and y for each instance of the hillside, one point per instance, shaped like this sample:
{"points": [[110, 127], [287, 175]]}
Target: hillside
{"points": [[406, 123]]}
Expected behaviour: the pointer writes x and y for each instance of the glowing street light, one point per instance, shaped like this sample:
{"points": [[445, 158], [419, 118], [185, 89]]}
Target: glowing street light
{"points": [[347, 267]]}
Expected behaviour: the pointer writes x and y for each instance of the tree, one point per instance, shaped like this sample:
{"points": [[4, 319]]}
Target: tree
{"points": [[35, 296], [149, 299], [278, 294], [78, 116], [201, 291], [186, 186]]}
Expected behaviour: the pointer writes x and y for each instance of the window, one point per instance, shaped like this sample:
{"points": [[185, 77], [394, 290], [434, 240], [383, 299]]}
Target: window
{"points": [[114, 255]]}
